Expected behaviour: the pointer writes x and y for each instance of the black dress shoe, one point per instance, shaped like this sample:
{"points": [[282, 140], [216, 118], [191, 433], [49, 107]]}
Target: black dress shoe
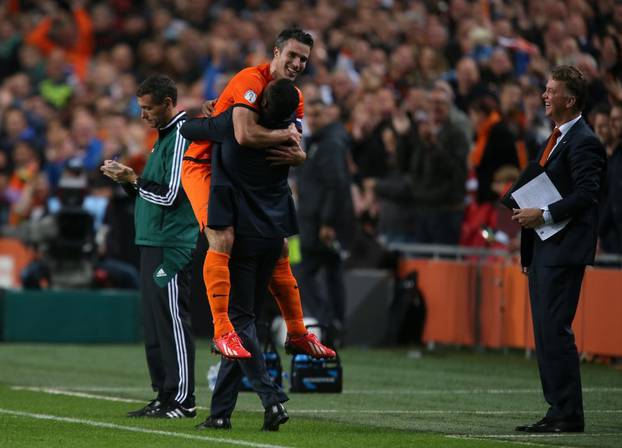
{"points": [[215, 423], [274, 416], [529, 427], [553, 426]]}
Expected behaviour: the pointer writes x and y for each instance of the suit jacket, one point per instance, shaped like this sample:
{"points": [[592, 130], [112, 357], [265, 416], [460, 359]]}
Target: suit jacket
{"points": [[577, 168]]}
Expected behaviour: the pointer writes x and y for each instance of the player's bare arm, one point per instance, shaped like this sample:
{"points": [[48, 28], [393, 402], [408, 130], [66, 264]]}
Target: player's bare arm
{"points": [[250, 134]]}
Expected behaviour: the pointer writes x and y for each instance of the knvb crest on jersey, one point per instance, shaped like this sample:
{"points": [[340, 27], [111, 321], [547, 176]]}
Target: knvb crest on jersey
{"points": [[250, 96]]}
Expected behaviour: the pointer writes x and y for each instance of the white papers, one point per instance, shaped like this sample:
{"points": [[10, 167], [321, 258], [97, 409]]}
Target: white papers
{"points": [[539, 193]]}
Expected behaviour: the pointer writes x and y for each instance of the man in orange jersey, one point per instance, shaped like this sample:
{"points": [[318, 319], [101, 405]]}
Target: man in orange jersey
{"points": [[290, 55]]}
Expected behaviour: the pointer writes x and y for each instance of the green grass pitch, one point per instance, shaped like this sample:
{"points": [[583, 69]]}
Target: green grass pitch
{"points": [[77, 396]]}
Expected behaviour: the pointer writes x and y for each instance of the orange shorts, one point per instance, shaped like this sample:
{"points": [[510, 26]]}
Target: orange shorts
{"points": [[196, 178]]}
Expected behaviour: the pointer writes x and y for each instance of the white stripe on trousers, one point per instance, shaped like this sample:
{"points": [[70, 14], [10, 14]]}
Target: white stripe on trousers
{"points": [[180, 340]]}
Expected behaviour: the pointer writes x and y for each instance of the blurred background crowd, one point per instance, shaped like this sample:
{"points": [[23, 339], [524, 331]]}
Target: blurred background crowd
{"points": [[432, 107]]}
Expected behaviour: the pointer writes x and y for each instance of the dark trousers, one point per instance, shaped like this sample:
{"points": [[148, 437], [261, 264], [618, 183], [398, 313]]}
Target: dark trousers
{"points": [[324, 302], [251, 265], [169, 343], [554, 292]]}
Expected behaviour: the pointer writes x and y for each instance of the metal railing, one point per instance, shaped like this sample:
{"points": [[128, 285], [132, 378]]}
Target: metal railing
{"points": [[459, 252], [479, 257]]}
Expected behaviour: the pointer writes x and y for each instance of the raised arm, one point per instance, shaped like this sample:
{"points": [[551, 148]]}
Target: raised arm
{"points": [[215, 129], [252, 135]]}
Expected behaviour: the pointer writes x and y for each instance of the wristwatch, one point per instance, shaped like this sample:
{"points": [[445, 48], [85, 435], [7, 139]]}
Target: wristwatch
{"points": [[546, 215]]}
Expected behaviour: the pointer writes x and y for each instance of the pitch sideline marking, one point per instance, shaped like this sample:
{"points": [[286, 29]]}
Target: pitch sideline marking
{"points": [[435, 411], [373, 391], [535, 436], [135, 429], [55, 391], [226, 441], [105, 389], [515, 442], [69, 393], [498, 437], [466, 391]]}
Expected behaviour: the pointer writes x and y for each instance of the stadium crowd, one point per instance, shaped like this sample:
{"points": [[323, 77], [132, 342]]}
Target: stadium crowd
{"points": [[441, 101]]}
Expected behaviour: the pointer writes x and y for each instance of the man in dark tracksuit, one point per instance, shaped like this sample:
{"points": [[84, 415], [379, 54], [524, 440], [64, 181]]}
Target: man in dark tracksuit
{"points": [[253, 196], [326, 215], [166, 233]]}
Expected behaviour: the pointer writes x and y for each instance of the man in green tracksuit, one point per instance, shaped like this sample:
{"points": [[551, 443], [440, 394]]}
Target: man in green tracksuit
{"points": [[166, 233]]}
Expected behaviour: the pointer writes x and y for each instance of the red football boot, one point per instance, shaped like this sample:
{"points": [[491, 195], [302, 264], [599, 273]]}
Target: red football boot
{"points": [[308, 344], [230, 346]]}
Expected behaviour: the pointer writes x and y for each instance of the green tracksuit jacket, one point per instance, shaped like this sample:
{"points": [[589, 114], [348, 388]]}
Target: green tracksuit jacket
{"points": [[163, 215]]}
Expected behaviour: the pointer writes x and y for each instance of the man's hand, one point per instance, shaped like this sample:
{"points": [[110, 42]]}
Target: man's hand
{"points": [[529, 218], [327, 235], [291, 155], [369, 184], [294, 135], [524, 270], [207, 108], [118, 172]]}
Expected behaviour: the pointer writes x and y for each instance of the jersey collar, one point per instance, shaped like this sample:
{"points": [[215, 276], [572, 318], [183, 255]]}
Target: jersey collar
{"points": [[171, 124]]}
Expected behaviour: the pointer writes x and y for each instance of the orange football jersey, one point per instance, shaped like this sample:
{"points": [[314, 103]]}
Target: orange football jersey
{"points": [[245, 88]]}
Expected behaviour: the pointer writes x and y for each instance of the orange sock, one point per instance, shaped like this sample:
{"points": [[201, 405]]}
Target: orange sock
{"points": [[284, 287], [218, 286]]}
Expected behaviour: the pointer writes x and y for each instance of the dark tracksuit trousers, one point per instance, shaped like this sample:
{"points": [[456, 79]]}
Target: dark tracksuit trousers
{"points": [[251, 265], [169, 342], [324, 302]]}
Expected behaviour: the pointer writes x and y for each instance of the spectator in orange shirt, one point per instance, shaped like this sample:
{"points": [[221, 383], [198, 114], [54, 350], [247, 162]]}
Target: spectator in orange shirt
{"points": [[69, 29]]}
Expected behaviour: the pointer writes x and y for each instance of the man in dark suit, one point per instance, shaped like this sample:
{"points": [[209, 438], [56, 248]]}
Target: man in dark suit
{"points": [[575, 161]]}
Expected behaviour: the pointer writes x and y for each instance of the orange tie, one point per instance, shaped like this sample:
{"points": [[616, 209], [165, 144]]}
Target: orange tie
{"points": [[549, 146]]}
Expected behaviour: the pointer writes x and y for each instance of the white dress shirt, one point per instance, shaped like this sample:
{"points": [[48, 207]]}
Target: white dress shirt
{"points": [[563, 129]]}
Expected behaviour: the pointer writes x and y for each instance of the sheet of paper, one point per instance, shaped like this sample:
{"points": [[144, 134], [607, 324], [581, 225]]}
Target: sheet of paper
{"points": [[538, 193]]}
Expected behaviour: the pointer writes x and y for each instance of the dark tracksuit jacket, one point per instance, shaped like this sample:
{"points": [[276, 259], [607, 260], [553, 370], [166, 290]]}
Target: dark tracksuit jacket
{"points": [[254, 197]]}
